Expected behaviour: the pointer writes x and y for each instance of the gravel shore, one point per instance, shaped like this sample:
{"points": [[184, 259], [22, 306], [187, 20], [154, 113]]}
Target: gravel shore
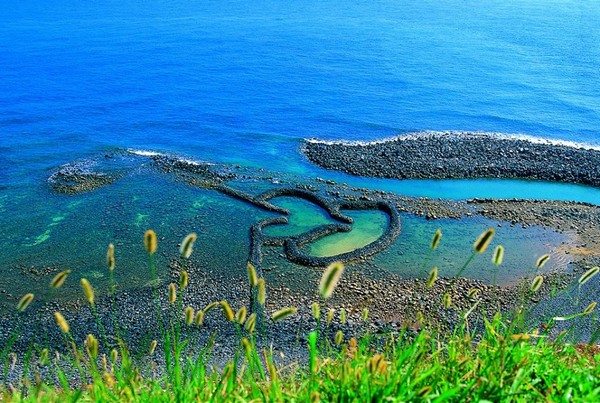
{"points": [[392, 301], [460, 155]]}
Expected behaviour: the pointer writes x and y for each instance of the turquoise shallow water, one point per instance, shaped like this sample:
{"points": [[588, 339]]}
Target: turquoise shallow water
{"points": [[244, 84]]}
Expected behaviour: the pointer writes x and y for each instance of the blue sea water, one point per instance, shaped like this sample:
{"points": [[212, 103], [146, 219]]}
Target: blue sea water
{"points": [[245, 82]]}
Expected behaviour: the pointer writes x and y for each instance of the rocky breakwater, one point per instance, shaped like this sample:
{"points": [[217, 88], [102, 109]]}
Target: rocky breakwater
{"points": [[452, 155], [293, 244]]}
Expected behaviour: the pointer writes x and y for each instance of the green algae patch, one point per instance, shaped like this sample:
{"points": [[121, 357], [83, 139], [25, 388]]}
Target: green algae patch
{"points": [[141, 219], [368, 226], [40, 238], [304, 216]]}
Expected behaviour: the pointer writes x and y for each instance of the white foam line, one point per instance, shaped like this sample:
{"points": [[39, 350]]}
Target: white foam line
{"points": [[144, 153], [460, 135], [189, 161], [147, 153]]}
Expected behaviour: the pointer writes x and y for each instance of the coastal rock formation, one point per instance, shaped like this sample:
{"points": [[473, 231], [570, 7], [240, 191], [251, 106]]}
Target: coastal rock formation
{"points": [[87, 175], [451, 155], [74, 180], [293, 245]]}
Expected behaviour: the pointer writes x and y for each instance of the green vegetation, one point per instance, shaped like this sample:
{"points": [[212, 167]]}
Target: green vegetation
{"points": [[498, 360]]}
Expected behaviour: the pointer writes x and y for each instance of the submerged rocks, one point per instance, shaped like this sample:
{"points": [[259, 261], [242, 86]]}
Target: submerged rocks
{"points": [[74, 180]]}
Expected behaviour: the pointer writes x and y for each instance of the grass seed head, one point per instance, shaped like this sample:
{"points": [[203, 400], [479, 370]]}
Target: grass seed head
{"points": [[330, 314], [91, 346], [373, 363], [251, 323], [339, 337], [152, 347], [61, 322], [542, 261], [227, 311], [199, 318], [447, 300], [473, 293], [247, 346], [420, 317], [520, 337], [484, 240], [262, 293], [316, 310], [498, 255], [252, 276], [272, 372], [59, 279], [343, 316], [43, 356], [24, 302], [184, 279], [590, 308], [114, 355], [365, 314], [435, 241], [187, 245], [587, 276], [240, 315], [536, 283], [424, 391], [210, 307], [189, 315], [330, 279], [433, 275], [172, 293], [283, 313], [88, 291], [110, 257], [150, 242]]}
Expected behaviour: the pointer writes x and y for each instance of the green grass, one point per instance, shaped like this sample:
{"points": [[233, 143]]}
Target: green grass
{"points": [[498, 359]]}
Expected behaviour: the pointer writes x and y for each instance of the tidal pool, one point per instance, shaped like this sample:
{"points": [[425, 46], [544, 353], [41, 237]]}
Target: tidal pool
{"points": [[367, 226], [48, 232]]}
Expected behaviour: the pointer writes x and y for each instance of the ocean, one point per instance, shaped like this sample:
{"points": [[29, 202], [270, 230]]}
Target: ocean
{"points": [[245, 83]]}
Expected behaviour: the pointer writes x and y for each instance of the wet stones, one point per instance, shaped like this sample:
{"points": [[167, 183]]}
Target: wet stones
{"points": [[293, 244], [74, 180], [460, 155]]}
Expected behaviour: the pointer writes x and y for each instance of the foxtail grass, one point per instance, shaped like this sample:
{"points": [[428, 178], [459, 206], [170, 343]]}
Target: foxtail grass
{"points": [[479, 247], [24, 302], [330, 279], [59, 279], [187, 245], [435, 241], [502, 361], [283, 314]]}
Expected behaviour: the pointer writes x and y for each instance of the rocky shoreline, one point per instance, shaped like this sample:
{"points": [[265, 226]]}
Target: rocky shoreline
{"points": [[393, 302], [452, 155]]}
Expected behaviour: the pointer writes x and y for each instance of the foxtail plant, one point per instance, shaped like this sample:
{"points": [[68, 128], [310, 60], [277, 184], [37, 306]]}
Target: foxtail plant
{"points": [[283, 313], [21, 306], [111, 264], [151, 245], [429, 366], [24, 302], [435, 241], [330, 279], [479, 247], [497, 260], [59, 279], [88, 292]]}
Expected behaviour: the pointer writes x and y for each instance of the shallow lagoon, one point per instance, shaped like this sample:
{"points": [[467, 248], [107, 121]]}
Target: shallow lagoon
{"points": [[76, 229]]}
